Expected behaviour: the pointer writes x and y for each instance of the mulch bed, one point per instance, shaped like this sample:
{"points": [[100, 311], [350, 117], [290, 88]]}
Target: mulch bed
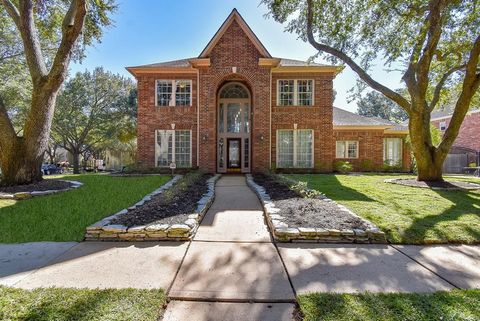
{"points": [[298, 211], [170, 207], [435, 185], [44, 185]]}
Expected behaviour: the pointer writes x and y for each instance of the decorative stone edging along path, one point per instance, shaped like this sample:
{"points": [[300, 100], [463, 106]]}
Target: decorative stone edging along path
{"points": [[283, 233], [25, 195], [104, 231]]}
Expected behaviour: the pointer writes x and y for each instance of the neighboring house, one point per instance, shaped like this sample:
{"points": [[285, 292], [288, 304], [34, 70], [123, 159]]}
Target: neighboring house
{"points": [[466, 148], [235, 108]]}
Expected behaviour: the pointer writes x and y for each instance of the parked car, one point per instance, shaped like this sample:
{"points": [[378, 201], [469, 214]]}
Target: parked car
{"points": [[49, 169]]}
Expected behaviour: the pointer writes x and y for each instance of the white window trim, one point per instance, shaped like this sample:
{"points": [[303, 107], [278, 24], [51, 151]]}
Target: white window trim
{"points": [[345, 151], [174, 89], [295, 93], [400, 152], [295, 147], [173, 145]]}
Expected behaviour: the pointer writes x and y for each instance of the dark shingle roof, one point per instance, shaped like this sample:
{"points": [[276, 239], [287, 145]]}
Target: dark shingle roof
{"points": [[342, 117]]}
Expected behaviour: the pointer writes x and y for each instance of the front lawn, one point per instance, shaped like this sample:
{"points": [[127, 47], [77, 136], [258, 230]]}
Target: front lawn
{"points": [[406, 214], [80, 304], [453, 305], [64, 216]]}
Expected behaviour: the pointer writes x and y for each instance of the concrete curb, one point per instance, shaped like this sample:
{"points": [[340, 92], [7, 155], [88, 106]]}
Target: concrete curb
{"points": [[283, 233]]}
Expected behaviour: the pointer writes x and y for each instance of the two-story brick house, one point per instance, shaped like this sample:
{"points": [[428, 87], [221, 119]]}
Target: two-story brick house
{"points": [[235, 108]]}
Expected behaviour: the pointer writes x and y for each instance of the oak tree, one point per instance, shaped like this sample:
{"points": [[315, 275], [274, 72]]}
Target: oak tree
{"points": [[435, 44], [50, 32]]}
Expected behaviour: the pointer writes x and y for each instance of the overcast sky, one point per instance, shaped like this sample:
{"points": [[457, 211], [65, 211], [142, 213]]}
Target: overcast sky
{"points": [[149, 31]]}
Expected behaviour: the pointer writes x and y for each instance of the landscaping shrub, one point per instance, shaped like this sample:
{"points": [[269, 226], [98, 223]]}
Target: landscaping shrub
{"points": [[392, 168], [366, 165], [343, 167]]}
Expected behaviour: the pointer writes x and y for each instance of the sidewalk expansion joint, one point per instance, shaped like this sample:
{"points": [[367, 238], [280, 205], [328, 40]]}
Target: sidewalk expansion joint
{"points": [[424, 266]]}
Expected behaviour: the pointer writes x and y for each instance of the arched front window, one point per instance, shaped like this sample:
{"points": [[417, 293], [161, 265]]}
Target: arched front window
{"points": [[234, 90]]}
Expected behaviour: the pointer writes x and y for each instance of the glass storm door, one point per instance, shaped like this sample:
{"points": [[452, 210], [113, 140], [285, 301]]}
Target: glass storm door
{"points": [[233, 152]]}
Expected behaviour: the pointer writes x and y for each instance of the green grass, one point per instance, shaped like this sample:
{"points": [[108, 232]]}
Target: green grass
{"points": [[55, 304], [406, 214], [64, 216], [454, 305]]}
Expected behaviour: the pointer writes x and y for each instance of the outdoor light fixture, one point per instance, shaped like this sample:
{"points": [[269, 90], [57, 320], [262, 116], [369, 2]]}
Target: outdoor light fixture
{"points": [[294, 126], [173, 126], [234, 70]]}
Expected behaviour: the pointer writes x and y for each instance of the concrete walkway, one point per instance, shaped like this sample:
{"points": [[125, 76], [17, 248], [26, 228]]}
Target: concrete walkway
{"points": [[232, 271]]}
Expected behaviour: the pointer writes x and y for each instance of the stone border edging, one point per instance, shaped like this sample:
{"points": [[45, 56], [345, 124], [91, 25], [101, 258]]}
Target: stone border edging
{"points": [[455, 188], [104, 231], [25, 195], [283, 233]]}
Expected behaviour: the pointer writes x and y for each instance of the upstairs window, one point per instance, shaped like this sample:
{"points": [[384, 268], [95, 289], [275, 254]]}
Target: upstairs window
{"points": [[295, 92], [173, 92]]}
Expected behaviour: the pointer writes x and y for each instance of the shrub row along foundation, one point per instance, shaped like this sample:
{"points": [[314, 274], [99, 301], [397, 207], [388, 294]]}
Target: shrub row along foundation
{"points": [[25, 195], [283, 233], [105, 231]]}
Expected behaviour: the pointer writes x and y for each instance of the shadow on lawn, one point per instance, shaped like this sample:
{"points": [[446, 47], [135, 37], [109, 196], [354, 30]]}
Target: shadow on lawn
{"points": [[339, 192], [464, 202]]}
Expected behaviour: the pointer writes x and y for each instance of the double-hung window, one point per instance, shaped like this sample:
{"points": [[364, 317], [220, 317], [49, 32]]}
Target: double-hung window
{"points": [[347, 149], [173, 92], [173, 146], [392, 151], [295, 148], [295, 92]]}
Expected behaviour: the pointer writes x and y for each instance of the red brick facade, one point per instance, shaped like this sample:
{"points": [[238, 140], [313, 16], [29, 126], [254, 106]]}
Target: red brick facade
{"points": [[370, 149], [469, 134], [318, 117], [234, 54]]}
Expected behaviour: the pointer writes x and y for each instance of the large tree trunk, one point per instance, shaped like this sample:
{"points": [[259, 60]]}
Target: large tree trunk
{"points": [[429, 159], [76, 162], [17, 165]]}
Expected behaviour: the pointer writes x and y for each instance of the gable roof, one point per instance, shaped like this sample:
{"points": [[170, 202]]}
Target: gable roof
{"points": [[235, 16], [341, 117]]}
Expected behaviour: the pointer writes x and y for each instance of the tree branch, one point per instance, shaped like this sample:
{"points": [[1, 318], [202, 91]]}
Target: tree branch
{"points": [[12, 11], [441, 83], [471, 83], [71, 29], [399, 99], [433, 36], [31, 44]]}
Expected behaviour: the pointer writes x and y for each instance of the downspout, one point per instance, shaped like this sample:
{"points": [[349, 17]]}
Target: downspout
{"points": [[270, 134], [198, 118]]}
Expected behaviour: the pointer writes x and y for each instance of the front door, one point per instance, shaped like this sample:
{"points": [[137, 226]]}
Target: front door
{"points": [[233, 129], [234, 152]]}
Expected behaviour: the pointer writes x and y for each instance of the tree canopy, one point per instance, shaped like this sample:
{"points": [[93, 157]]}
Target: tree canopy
{"points": [[435, 44], [95, 111], [374, 104]]}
